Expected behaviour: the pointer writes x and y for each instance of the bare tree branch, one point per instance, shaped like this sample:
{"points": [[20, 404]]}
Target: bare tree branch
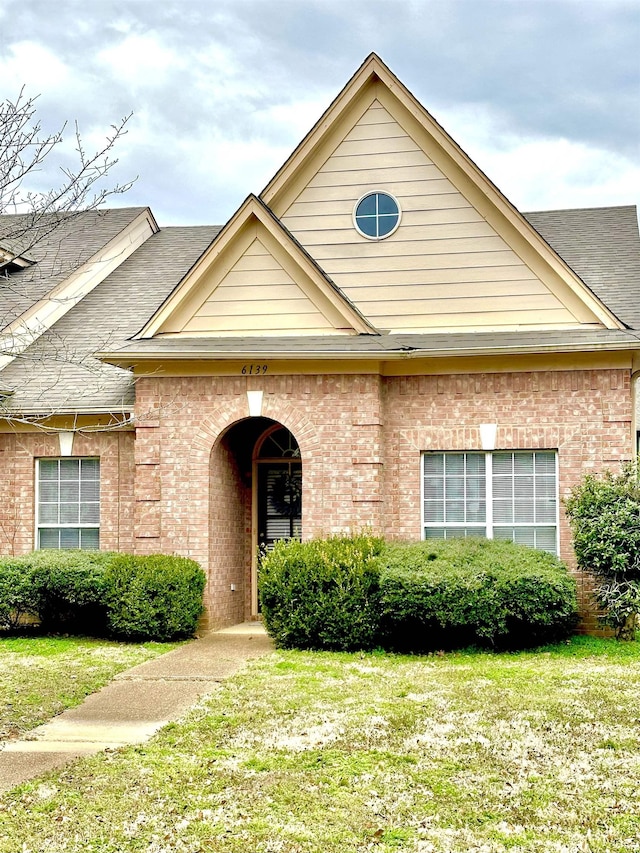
{"points": [[23, 150], [41, 246]]}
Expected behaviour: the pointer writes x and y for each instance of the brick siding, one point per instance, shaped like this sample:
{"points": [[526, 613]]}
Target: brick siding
{"points": [[178, 489]]}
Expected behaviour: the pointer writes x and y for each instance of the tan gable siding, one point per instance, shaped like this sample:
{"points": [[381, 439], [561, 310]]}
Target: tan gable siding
{"points": [[257, 296], [444, 268]]}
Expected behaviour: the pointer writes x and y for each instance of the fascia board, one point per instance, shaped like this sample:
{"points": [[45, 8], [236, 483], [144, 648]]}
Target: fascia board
{"points": [[27, 328], [82, 419], [128, 358], [81, 410]]}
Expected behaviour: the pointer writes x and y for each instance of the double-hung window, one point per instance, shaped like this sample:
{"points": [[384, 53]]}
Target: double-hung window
{"points": [[497, 495], [68, 503]]}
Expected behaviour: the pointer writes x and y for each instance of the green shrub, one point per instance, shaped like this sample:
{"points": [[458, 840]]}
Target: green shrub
{"points": [[321, 594], [69, 589], [64, 590], [604, 513], [97, 592], [17, 594], [154, 597], [443, 594]]}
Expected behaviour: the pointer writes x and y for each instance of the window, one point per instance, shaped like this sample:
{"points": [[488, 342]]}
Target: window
{"points": [[68, 503], [499, 495], [376, 215]]}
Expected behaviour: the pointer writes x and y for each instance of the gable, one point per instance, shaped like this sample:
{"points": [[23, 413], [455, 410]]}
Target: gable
{"points": [[445, 267], [462, 259], [257, 296], [255, 280], [70, 261]]}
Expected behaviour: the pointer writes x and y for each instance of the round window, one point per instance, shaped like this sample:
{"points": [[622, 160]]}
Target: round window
{"points": [[376, 215]]}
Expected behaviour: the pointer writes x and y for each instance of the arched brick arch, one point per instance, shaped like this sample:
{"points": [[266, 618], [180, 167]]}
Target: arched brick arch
{"points": [[224, 417], [206, 466]]}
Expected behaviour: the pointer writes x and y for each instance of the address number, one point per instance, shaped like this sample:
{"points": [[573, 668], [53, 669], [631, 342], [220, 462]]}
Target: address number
{"points": [[253, 369]]}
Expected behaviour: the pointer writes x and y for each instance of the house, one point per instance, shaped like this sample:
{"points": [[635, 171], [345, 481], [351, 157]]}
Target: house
{"points": [[379, 339]]}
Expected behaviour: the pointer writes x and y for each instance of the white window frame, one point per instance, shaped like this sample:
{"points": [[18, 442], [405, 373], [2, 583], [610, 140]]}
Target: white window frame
{"points": [[64, 525], [376, 237], [489, 523]]}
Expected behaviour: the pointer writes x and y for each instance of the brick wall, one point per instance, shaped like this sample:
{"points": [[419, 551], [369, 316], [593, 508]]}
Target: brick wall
{"points": [[175, 486], [584, 415], [18, 453], [230, 551], [360, 439]]}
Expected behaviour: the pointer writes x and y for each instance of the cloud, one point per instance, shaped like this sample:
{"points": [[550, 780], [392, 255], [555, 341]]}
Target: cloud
{"points": [[538, 172], [140, 60], [32, 65], [542, 94]]}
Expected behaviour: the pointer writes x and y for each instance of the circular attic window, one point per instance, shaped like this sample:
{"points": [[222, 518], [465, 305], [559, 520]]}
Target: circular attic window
{"points": [[376, 215]]}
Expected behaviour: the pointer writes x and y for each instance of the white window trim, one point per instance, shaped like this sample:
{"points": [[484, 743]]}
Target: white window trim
{"points": [[489, 523], [69, 526], [369, 236]]}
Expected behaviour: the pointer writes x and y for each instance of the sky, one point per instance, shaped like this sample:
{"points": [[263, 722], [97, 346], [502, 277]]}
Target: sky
{"points": [[544, 95]]}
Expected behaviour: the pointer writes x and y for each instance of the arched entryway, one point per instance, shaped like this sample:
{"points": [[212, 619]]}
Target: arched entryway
{"points": [[255, 499]]}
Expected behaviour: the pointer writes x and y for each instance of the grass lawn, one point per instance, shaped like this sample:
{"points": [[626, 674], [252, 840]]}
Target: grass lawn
{"points": [[41, 676], [347, 753]]}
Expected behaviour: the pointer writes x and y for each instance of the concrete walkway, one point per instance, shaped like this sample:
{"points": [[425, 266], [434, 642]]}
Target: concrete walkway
{"points": [[137, 703]]}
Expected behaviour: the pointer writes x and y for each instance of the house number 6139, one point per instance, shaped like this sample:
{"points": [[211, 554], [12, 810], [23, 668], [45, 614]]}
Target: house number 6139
{"points": [[253, 369]]}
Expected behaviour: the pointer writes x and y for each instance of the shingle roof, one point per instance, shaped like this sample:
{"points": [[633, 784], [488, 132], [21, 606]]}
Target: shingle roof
{"points": [[56, 373], [458, 343], [59, 245], [602, 246]]}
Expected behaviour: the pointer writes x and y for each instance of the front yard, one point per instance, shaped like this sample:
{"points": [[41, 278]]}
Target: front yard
{"points": [[41, 676], [346, 753]]}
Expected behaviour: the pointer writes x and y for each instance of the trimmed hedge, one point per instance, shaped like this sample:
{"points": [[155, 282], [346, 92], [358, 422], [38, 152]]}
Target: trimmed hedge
{"points": [[156, 596], [321, 594], [444, 594], [103, 593], [70, 590], [17, 592], [348, 593]]}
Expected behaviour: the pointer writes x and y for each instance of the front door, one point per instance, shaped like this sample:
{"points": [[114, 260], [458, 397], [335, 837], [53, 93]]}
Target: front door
{"points": [[279, 502], [277, 475]]}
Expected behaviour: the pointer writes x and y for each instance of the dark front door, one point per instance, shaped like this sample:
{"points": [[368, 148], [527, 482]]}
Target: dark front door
{"points": [[279, 502]]}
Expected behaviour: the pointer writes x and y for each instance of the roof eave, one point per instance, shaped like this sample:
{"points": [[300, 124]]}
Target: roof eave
{"points": [[127, 359]]}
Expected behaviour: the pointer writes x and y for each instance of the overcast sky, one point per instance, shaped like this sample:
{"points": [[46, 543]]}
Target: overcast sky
{"points": [[543, 94]]}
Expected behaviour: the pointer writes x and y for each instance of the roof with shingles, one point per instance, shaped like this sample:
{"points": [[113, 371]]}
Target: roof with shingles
{"points": [[442, 343], [55, 374], [59, 244], [602, 246]]}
